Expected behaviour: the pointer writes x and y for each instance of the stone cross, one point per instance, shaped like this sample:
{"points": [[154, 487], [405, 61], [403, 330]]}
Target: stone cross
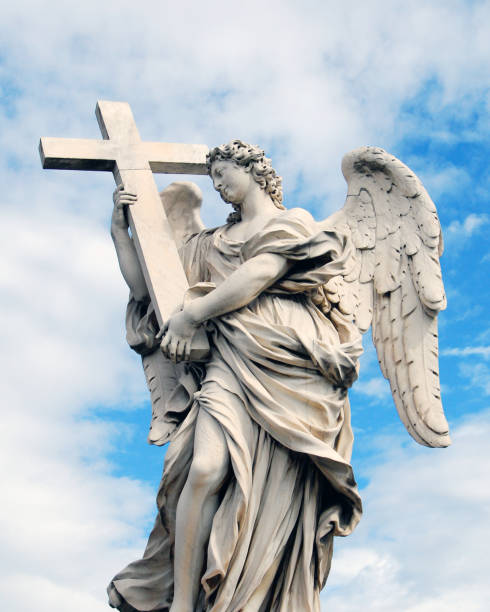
{"points": [[132, 163]]}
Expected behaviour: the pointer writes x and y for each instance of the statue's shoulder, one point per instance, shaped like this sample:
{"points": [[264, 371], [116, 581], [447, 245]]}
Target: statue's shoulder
{"points": [[299, 213], [296, 217], [200, 237]]}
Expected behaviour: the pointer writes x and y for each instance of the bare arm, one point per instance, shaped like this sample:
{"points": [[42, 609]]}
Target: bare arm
{"points": [[125, 250], [242, 287], [245, 284]]}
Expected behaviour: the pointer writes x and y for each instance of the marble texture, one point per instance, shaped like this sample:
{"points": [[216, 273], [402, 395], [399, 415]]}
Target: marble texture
{"points": [[257, 478]]}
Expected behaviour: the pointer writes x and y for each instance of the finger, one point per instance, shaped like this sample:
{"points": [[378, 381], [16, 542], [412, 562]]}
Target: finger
{"points": [[165, 342], [165, 352], [178, 351], [161, 335], [117, 191], [173, 349], [187, 351], [169, 343], [120, 192], [123, 205]]}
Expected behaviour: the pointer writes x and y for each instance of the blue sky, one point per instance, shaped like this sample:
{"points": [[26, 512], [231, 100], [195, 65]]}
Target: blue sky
{"points": [[307, 81]]}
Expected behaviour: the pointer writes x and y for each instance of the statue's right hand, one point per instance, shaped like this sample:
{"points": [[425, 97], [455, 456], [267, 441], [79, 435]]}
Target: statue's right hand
{"points": [[122, 199]]}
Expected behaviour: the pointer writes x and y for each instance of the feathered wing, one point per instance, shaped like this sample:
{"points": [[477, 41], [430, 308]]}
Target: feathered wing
{"points": [[182, 202], [395, 283]]}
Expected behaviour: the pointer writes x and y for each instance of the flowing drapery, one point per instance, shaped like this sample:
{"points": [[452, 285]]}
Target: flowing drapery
{"points": [[276, 384]]}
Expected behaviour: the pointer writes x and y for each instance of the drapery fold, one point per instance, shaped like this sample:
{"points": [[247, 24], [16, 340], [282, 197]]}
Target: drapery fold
{"points": [[276, 384]]}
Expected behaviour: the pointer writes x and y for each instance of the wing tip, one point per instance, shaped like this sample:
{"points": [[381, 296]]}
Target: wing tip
{"points": [[435, 441]]}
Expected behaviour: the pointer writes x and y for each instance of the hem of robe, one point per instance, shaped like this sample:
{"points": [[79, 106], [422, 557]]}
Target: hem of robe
{"points": [[320, 528]]}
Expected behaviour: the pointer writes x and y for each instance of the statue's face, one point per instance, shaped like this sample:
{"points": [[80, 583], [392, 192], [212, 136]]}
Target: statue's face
{"points": [[231, 181]]}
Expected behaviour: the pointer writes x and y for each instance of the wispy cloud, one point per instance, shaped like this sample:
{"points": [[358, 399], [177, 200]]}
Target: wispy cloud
{"points": [[70, 522], [306, 84], [478, 376], [374, 387], [440, 181], [302, 80], [401, 557], [459, 232], [481, 351]]}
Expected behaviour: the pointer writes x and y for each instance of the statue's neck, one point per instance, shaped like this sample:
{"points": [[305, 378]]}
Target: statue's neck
{"points": [[257, 203]]}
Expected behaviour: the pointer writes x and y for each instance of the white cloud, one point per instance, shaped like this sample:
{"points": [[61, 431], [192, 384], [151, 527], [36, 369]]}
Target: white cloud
{"points": [[374, 387], [478, 376], [474, 373], [421, 545], [308, 82], [441, 181], [70, 524], [458, 233], [482, 351]]}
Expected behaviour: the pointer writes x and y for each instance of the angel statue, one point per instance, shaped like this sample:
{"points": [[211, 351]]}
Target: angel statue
{"points": [[257, 478]]}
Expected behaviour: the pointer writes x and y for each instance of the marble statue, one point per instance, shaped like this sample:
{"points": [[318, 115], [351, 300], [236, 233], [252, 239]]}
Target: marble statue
{"points": [[257, 479], [249, 374]]}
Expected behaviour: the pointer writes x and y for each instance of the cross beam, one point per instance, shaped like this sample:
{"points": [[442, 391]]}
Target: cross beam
{"points": [[132, 163]]}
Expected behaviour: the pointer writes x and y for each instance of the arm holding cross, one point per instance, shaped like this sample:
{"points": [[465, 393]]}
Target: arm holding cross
{"points": [[243, 286], [123, 243]]}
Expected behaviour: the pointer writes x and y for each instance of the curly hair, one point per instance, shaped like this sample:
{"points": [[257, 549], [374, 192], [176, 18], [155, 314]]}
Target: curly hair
{"points": [[253, 159]]}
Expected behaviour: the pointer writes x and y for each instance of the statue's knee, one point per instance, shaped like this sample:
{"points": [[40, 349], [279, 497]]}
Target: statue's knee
{"points": [[208, 472]]}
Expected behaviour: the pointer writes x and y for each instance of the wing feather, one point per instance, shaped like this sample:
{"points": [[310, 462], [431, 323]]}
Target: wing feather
{"points": [[161, 380], [182, 201], [364, 306], [368, 264], [397, 286]]}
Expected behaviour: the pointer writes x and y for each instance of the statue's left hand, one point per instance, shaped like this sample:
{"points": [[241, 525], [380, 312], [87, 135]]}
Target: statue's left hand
{"points": [[177, 334]]}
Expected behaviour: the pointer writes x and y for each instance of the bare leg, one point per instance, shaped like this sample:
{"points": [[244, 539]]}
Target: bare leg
{"points": [[196, 509]]}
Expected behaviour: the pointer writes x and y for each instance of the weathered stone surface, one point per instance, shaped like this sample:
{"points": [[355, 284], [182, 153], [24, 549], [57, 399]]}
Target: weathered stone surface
{"points": [[257, 478]]}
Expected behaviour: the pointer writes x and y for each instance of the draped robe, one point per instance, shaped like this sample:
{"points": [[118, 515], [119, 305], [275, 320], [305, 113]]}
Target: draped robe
{"points": [[276, 384]]}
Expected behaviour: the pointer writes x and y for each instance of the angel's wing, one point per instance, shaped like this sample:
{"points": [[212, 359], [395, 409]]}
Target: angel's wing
{"points": [[182, 202], [395, 283]]}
